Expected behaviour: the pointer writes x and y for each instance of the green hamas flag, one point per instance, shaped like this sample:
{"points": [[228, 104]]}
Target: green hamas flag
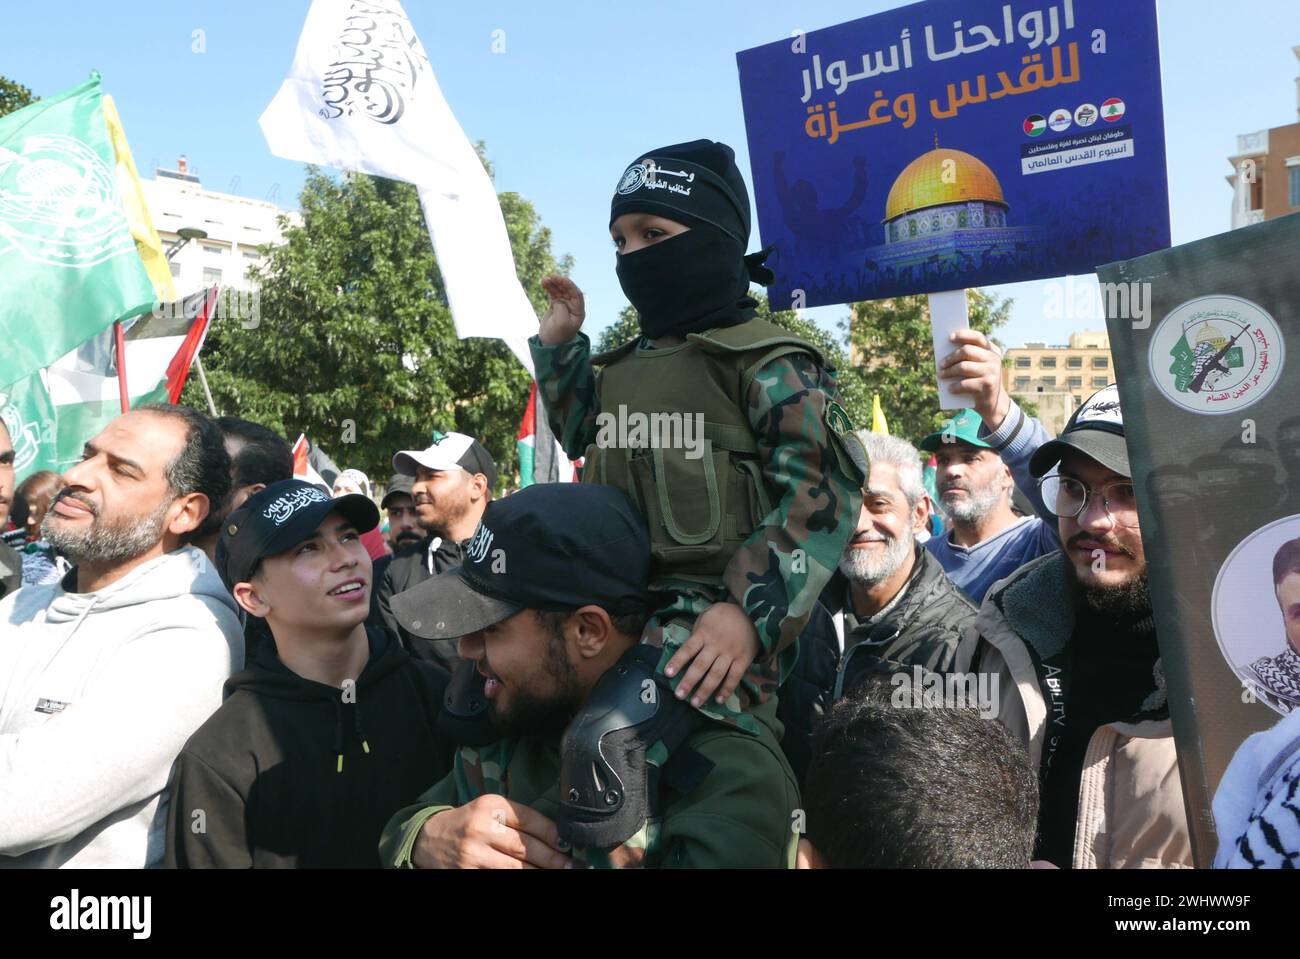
{"points": [[68, 264], [28, 414]]}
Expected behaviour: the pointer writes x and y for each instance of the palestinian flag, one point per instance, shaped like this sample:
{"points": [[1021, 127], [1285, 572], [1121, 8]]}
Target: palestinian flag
{"points": [[541, 459], [526, 438], [1112, 110], [302, 468], [61, 407], [1035, 125]]}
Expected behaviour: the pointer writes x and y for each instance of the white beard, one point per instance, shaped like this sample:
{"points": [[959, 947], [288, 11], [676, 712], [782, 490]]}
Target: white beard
{"points": [[861, 567]]}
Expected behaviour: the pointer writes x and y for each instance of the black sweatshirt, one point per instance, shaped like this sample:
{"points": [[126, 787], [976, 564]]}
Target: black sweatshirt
{"points": [[295, 773]]}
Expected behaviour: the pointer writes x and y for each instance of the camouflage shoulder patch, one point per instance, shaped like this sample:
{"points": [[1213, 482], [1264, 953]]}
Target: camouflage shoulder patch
{"points": [[850, 452], [837, 419]]}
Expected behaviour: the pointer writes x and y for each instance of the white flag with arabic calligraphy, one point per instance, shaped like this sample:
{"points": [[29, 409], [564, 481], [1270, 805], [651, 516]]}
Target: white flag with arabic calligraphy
{"points": [[362, 96]]}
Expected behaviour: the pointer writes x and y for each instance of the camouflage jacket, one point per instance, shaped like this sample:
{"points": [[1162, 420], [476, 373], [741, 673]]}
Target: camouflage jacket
{"points": [[778, 573], [742, 814]]}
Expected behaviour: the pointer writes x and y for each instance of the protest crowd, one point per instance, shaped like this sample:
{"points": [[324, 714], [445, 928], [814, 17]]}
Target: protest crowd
{"points": [[754, 656], [726, 626]]}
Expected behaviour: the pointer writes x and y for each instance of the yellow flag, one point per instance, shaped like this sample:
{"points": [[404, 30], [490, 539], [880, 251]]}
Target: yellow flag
{"points": [[137, 212], [878, 422]]}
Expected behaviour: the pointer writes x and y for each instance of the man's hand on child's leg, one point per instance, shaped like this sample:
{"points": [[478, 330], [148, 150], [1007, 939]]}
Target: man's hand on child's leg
{"points": [[721, 647]]}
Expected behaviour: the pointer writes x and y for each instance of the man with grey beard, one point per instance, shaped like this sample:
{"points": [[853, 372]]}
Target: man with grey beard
{"points": [[890, 608], [981, 455], [110, 670]]}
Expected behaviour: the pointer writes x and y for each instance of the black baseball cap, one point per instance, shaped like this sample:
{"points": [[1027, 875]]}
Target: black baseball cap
{"points": [[1096, 429], [278, 518], [399, 485], [551, 546]]}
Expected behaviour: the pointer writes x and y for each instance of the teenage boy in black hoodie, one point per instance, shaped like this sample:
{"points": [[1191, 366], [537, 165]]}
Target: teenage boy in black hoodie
{"points": [[329, 729]]}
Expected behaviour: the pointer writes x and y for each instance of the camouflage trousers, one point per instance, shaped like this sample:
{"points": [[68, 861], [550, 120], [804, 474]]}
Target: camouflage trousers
{"points": [[668, 628]]}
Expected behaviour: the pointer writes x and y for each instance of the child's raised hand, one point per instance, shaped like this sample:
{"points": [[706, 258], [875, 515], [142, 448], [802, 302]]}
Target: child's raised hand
{"points": [[567, 311], [721, 647]]}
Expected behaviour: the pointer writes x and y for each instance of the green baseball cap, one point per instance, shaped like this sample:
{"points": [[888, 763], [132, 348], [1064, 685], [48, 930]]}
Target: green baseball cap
{"points": [[962, 428]]}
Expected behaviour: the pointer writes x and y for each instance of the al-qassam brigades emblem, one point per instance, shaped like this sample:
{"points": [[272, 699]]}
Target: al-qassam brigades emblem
{"points": [[25, 436], [1216, 354], [59, 204]]}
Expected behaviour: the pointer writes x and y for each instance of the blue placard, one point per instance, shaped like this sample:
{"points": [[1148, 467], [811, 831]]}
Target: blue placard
{"points": [[957, 143]]}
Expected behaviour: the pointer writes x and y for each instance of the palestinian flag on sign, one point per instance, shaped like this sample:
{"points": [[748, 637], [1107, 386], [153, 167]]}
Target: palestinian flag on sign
{"points": [[1035, 125], [57, 409]]}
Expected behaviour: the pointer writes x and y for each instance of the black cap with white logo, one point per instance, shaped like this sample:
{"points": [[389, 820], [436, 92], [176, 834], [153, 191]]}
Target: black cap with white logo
{"points": [[552, 546], [279, 518], [1096, 429]]}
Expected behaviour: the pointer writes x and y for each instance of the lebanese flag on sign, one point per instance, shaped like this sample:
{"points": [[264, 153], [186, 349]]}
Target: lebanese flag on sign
{"points": [[1112, 109]]}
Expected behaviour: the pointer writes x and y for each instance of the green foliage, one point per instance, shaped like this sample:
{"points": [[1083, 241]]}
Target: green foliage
{"points": [[854, 396], [355, 336], [892, 343], [14, 96]]}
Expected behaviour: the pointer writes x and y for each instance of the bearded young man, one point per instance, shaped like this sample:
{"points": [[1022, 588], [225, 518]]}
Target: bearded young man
{"points": [[110, 670], [1071, 641], [548, 607], [451, 485]]}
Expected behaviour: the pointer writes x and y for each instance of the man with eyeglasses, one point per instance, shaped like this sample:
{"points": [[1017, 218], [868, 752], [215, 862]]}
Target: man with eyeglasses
{"points": [[1070, 640]]}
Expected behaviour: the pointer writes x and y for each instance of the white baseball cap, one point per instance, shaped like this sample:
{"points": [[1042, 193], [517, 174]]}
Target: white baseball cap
{"points": [[451, 451]]}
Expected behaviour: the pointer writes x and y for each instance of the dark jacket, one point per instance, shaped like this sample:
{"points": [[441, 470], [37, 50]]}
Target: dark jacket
{"points": [[922, 629], [409, 567], [295, 773], [11, 571]]}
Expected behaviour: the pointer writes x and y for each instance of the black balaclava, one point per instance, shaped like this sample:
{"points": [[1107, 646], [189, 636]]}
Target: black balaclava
{"points": [[699, 279]]}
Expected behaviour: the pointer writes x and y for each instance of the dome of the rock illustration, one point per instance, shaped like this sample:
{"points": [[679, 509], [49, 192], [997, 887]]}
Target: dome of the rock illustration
{"points": [[943, 190]]}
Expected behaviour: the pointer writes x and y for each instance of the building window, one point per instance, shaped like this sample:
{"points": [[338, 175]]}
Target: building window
{"points": [[251, 255], [1075, 382], [211, 276], [1100, 381], [1049, 380], [1100, 362], [1074, 362], [176, 269], [1048, 362], [213, 249], [1293, 175], [1023, 362], [1022, 382]]}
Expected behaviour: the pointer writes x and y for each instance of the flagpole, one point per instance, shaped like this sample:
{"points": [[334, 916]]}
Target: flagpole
{"points": [[203, 378], [119, 339]]}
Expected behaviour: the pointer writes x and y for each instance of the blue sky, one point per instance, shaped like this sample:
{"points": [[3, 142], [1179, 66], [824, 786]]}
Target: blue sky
{"points": [[582, 88]]}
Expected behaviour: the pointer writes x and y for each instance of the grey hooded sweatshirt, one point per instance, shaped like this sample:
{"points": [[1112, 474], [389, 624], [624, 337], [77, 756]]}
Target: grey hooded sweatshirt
{"points": [[98, 693]]}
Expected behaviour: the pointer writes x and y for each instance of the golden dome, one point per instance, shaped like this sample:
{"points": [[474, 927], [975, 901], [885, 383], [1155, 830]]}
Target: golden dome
{"points": [[921, 184]]}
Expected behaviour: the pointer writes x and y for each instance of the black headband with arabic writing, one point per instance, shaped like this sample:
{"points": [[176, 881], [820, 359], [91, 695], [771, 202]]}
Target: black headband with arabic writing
{"points": [[689, 193], [683, 191]]}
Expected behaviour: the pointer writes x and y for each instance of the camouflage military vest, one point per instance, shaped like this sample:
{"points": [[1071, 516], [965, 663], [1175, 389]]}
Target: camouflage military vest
{"points": [[674, 434]]}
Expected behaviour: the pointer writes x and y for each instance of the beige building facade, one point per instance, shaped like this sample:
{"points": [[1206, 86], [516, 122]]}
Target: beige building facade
{"points": [[1266, 171], [1079, 369]]}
